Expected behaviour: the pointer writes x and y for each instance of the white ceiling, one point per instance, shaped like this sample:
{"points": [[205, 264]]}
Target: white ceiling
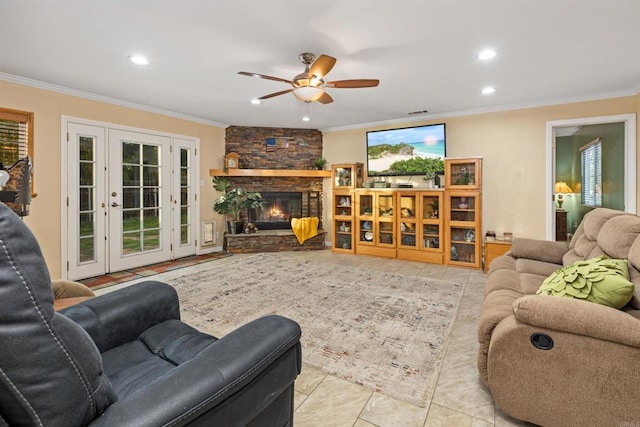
{"points": [[423, 51]]}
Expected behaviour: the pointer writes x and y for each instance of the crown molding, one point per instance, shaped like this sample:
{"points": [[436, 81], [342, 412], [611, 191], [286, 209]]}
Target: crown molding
{"points": [[106, 99], [474, 112]]}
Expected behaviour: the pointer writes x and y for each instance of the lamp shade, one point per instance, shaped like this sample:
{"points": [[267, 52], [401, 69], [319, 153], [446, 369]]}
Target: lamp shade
{"points": [[562, 187], [308, 93]]}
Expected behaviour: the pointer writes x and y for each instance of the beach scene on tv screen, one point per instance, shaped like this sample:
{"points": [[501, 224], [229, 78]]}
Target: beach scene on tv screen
{"points": [[404, 151]]}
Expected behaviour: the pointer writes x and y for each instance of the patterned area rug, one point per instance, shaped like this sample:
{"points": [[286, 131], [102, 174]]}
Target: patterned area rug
{"points": [[386, 331]]}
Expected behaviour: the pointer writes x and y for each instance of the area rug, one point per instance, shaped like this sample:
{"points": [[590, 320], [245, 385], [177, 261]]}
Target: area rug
{"points": [[386, 331]]}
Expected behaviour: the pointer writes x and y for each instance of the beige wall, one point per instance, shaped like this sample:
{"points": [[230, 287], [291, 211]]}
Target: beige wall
{"points": [[512, 145], [49, 107]]}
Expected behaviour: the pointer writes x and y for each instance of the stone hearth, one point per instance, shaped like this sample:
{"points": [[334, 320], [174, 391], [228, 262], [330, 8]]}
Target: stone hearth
{"points": [[271, 241]]}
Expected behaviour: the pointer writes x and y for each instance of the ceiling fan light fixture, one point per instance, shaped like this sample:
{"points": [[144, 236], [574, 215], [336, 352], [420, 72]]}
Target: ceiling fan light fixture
{"points": [[306, 118], [308, 93]]}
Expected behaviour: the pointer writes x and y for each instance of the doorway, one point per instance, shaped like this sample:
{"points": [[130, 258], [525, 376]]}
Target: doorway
{"points": [[591, 163], [130, 198]]}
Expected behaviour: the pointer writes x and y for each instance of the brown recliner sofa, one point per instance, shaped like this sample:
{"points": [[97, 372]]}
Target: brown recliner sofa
{"points": [[558, 361]]}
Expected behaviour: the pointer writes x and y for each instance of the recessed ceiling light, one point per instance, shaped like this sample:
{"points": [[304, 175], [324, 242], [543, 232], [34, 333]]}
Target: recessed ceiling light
{"points": [[487, 54], [306, 118], [488, 90], [256, 101], [139, 59]]}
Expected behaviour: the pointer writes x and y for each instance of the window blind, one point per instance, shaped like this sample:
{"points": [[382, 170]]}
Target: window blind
{"points": [[591, 171], [14, 137]]}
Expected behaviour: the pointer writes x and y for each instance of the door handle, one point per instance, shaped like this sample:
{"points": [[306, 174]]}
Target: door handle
{"points": [[114, 204]]}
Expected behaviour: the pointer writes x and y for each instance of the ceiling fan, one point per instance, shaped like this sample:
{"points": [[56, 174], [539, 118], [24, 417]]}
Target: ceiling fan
{"points": [[309, 85]]}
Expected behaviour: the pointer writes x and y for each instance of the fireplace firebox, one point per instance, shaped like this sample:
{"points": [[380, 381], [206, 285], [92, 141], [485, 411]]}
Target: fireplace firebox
{"points": [[280, 207]]}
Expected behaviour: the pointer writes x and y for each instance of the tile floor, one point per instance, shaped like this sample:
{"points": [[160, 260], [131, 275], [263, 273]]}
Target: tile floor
{"points": [[459, 398]]}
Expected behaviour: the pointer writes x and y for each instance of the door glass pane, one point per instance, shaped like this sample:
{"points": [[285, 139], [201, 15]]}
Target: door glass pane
{"points": [[150, 154], [151, 240], [86, 199], [130, 175], [131, 198], [86, 172], [87, 214], [130, 153], [185, 191], [141, 195], [151, 219], [151, 197], [131, 220], [150, 175], [131, 243]]}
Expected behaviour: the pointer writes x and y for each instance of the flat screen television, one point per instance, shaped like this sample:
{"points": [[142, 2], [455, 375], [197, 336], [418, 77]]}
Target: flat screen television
{"points": [[406, 151]]}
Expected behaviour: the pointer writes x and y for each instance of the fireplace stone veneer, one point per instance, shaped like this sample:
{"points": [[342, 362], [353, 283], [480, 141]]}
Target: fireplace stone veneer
{"points": [[294, 149]]}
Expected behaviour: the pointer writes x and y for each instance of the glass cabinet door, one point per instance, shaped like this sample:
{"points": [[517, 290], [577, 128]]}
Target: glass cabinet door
{"points": [[385, 223], [343, 205], [463, 173], [407, 220], [431, 221], [463, 227], [347, 175], [365, 219]]}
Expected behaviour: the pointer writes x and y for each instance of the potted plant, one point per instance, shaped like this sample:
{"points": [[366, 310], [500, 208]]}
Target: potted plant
{"points": [[232, 202], [320, 163]]}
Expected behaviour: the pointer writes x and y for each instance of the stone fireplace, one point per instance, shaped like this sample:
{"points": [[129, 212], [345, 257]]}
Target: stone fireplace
{"points": [[297, 194]]}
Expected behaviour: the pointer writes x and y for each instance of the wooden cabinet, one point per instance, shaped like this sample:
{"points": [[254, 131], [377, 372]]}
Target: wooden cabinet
{"points": [[462, 228], [430, 225], [343, 221], [419, 226], [347, 176], [493, 249], [375, 223], [463, 174]]}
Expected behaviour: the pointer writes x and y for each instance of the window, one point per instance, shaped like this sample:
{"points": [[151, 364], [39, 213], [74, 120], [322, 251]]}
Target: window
{"points": [[591, 160], [16, 136]]}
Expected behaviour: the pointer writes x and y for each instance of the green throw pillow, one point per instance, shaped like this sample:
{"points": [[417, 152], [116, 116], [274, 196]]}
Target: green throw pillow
{"points": [[601, 280]]}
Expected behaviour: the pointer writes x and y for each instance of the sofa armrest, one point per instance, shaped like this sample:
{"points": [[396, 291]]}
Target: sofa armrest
{"points": [[540, 250], [121, 316], [246, 369], [578, 317]]}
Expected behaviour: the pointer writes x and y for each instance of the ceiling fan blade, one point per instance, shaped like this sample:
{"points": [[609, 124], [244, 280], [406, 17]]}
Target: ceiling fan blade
{"points": [[356, 83], [262, 76], [325, 99], [271, 95], [322, 66]]}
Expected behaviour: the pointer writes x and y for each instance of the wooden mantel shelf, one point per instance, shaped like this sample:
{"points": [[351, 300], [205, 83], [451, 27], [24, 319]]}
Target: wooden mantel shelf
{"points": [[303, 173]]}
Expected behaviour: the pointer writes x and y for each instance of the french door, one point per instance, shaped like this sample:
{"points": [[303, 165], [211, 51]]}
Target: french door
{"points": [[131, 199]]}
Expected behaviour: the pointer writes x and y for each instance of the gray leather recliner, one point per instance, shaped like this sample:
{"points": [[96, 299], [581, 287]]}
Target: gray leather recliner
{"points": [[125, 358]]}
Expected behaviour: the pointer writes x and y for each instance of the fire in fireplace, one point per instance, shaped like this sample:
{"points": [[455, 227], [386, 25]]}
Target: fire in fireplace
{"points": [[278, 210]]}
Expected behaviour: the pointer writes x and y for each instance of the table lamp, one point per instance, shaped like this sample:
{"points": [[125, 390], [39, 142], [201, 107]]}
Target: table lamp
{"points": [[560, 189]]}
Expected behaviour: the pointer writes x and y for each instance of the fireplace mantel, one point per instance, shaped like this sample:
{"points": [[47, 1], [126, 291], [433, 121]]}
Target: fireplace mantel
{"points": [[302, 173]]}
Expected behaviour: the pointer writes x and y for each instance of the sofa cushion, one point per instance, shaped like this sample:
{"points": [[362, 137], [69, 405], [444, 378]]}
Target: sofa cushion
{"points": [[600, 280]]}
